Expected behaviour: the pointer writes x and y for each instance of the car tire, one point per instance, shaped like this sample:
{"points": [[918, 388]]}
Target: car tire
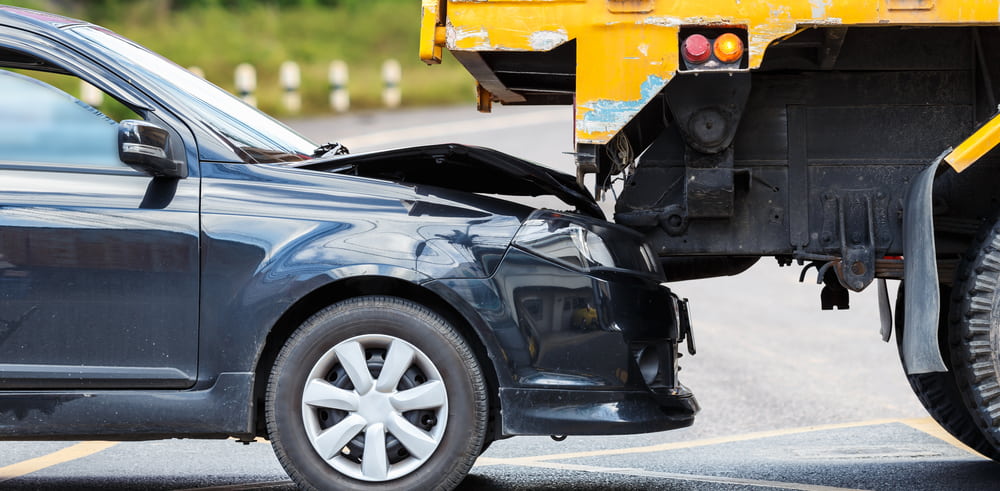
{"points": [[337, 419], [938, 392], [974, 334]]}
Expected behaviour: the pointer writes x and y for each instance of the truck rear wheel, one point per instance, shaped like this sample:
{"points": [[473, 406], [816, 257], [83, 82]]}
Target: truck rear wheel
{"points": [[939, 393], [974, 334]]}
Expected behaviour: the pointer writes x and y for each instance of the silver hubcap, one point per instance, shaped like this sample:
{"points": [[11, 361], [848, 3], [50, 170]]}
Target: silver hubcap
{"points": [[375, 407]]}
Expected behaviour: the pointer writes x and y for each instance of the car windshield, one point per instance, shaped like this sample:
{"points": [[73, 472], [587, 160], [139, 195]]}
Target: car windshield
{"points": [[256, 137]]}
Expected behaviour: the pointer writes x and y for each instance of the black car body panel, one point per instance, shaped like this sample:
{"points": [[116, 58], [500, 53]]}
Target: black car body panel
{"points": [[136, 307], [270, 228]]}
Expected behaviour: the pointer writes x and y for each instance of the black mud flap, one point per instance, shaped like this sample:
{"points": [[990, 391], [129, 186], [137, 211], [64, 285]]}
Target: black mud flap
{"points": [[922, 294]]}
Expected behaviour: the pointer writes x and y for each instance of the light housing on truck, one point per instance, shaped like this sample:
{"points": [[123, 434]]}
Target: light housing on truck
{"points": [[712, 49], [585, 244]]}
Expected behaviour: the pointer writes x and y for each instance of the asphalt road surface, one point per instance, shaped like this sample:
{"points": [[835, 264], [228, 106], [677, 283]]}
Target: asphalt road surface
{"points": [[792, 397]]}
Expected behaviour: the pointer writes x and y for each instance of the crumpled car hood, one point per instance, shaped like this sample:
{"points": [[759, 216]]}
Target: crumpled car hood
{"points": [[463, 168]]}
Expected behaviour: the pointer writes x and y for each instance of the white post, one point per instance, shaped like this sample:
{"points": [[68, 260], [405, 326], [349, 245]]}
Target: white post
{"points": [[90, 94], [291, 79], [392, 73], [246, 83], [340, 97]]}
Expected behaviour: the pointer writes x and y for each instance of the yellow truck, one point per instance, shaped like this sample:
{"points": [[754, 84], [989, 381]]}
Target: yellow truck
{"points": [[851, 136]]}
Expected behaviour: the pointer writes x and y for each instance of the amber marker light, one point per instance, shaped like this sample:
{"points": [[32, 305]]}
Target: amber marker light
{"points": [[696, 49], [728, 48]]}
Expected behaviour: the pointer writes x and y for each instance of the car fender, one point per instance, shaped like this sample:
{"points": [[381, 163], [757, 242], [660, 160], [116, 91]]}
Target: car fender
{"points": [[241, 331]]}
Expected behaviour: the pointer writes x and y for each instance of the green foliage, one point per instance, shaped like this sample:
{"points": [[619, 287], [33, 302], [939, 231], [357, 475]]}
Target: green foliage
{"points": [[217, 35]]}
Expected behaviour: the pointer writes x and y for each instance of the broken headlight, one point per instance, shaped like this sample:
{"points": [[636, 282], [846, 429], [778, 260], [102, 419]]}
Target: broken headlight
{"points": [[585, 244]]}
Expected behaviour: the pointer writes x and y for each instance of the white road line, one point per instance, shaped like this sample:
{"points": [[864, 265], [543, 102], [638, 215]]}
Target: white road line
{"points": [[242, 487], [439, 130], [684, 477]]}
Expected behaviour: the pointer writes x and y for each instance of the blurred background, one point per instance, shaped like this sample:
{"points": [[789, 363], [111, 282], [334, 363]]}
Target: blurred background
{"points": [[219, 35]]}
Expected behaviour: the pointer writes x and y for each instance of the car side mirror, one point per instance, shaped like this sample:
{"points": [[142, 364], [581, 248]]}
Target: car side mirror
{"points": [[144, 146]]}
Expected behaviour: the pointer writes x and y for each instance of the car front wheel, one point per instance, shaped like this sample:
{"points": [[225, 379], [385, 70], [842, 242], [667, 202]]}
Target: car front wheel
{"points": [[376, 393]]}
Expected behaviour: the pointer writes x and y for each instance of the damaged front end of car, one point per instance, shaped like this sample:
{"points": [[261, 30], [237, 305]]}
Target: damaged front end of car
{"points": [[582, 333], [596, 331]]}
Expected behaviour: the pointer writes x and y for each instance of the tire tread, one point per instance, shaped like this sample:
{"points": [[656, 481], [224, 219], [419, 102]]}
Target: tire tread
{"points": [[971, 332], [939, 392], [460, 466]]}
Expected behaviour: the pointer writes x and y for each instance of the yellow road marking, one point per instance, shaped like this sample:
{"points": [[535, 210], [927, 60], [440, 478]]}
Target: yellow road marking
{"points": [[684, 477], [67, 454], [929, 426], [485, 461], [925, 425]]}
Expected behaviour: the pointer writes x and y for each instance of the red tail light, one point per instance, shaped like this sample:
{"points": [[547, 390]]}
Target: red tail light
{"points": [[696, 49]]}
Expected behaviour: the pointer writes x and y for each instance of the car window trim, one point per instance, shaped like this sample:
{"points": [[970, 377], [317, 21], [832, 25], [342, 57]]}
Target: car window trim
{"points": [[71, 168], [49, 51]]}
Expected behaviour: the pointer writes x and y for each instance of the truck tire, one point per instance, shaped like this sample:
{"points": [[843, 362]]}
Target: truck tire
{"points": [[938, 392], [974, 333], [376, 393]]}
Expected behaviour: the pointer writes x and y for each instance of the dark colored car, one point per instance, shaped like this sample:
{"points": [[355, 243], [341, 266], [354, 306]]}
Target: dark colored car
{"points": [[198, 270]]}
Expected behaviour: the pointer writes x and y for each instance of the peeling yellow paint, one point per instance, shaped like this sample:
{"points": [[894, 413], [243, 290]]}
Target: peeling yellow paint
{"points": [[468, 38], [661, 21], [623, 44], [546, 40]]}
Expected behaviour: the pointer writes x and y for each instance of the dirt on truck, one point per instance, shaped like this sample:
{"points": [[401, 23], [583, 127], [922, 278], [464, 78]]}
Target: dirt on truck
{"points": [[854, 138]]}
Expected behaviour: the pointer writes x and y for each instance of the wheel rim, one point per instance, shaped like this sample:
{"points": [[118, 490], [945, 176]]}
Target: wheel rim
{"points": [[374, 407]]}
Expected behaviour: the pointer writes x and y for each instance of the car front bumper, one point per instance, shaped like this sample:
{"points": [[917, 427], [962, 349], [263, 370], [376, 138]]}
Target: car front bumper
{"points": [[580, 353]]}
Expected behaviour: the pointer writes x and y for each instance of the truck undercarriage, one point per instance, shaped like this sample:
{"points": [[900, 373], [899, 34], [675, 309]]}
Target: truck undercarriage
{"points": [[807, 158]]}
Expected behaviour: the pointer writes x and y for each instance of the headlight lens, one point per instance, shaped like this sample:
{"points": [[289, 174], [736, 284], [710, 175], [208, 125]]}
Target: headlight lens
{"points": [[585, 244]]}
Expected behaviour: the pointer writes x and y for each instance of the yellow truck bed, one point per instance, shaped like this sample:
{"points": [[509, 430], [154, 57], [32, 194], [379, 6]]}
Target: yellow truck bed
{"points": [[627, 50]]}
